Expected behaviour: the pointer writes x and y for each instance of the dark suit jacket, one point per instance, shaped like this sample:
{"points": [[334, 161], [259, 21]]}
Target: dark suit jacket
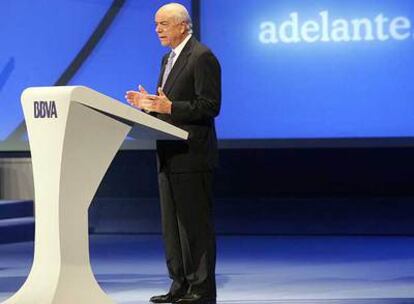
{"points": [[194, 87]]}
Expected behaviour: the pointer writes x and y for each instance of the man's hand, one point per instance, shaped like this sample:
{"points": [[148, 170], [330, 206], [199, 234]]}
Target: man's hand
{"points": [[138, 98], [159, 103], [149, 103]]}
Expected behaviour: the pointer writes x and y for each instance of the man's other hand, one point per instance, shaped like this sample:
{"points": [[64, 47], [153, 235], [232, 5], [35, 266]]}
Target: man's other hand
{"points": [[160, 103]]}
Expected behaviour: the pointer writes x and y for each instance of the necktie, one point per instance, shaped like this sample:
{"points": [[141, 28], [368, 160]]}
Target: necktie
{"points": [[168, 68]]}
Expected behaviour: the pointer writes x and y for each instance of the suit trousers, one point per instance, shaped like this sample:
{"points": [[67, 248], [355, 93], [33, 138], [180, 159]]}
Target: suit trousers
{"points": [[188, 231]]}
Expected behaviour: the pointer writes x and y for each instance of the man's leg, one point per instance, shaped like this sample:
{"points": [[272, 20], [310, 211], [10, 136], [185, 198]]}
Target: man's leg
{"points": [[192, 193], [171, 236]]}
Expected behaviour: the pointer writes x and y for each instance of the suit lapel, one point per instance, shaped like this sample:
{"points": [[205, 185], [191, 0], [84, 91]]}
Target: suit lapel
{"points": [[178, 66], [163, 64]]}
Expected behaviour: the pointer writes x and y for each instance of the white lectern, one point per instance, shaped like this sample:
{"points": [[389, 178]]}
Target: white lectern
{"points": [[74, 134]]}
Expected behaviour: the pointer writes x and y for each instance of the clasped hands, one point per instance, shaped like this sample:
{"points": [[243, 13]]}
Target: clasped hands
{"points": [[142, 100]]}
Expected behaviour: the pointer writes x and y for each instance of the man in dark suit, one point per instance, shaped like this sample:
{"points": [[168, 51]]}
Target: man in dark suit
{"points": [[189, 96]]}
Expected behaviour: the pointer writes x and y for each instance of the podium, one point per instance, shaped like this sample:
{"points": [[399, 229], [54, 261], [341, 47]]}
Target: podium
{"points": [[74, 134]]}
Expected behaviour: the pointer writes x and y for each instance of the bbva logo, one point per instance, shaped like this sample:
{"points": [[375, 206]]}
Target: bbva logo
{"points": [[45, 109]]}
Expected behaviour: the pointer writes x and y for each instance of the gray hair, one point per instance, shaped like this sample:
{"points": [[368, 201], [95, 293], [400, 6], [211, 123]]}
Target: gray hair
{"points": [[180, 13]]}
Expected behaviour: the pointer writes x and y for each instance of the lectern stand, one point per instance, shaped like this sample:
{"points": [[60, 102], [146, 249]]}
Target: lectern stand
{"points": [[74, 134]]}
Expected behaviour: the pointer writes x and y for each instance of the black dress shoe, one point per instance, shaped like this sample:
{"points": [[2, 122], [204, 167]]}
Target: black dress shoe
{"points": [[195, 298], [167, 298]]}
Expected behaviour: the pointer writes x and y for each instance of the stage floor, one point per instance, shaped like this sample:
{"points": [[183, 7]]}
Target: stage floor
{"points": [[250, 269]]}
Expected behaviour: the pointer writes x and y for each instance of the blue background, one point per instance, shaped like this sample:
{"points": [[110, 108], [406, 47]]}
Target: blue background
{"points": [[274, 91], [39, 39], [319, 90]]}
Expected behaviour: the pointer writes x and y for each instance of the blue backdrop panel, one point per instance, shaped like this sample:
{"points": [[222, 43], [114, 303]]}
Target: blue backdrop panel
{"points": [[306, 69], [291, 69], [39, 39]]}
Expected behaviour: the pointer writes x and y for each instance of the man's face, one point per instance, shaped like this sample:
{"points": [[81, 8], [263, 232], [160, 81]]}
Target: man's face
{"points": [[169, 31]]}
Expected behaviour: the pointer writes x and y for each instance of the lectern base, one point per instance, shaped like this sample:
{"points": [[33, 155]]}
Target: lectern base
{"points": [[59, 290]]}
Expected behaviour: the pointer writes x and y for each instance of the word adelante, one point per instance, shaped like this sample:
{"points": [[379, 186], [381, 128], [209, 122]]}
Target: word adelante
{"points": [[327, 29]]}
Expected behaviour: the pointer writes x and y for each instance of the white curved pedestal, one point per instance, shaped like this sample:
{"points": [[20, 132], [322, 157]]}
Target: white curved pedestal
{"points": [[71, 151]]}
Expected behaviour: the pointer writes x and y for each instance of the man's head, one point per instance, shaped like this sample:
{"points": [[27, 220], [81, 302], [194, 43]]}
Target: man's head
{"points": [[172, 24]]}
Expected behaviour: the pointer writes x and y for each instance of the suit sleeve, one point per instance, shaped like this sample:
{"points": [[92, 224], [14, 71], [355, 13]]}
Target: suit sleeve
{"points": [[207, 84]]}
